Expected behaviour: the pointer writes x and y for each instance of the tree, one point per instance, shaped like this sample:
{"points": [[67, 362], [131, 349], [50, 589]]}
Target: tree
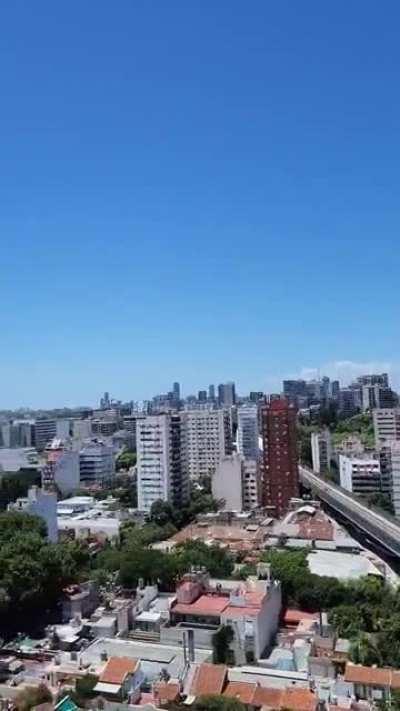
{"points": [[216, 560], [215, 702], [221, 641], [33, 696], [126, 460]]}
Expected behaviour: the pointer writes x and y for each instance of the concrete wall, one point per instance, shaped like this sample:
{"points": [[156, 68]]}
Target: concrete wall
{"points": [[174, 635]]}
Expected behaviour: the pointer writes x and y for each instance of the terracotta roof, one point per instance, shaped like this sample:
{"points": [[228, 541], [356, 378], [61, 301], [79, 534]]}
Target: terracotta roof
{"points": [[299, 699], [357, 674], [117, 668], [293, 617], [268, 697], [164, 691], [208, 679], [235, 611], [204, 605], [241, 690]]}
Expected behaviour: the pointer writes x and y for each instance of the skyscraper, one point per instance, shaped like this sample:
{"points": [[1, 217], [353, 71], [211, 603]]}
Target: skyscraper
{"points": [[248, 431], [226, 394], [176, 390], [281, 476], [211, 392]]}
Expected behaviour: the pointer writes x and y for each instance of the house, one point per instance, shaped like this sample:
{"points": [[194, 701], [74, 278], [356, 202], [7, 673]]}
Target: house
{"points": [[372, 683], [120, 679]]}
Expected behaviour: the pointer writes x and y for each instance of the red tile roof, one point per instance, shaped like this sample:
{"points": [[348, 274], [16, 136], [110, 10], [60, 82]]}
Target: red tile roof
{"points": [[204, 605], [268, 697], [358, 674], [299, 699], [293, 617], [236, 611], [241, 690], [208, 679], [166, 691], [117, 669]]}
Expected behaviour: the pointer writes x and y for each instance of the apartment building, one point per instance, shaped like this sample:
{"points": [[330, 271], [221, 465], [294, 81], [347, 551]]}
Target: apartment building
{"points": [[208, 439], [362, 475], [386, 425], [247, 432], [61, 469], [47, 430], [321, 450], [162, 465], [96, 463], [279, 436]]}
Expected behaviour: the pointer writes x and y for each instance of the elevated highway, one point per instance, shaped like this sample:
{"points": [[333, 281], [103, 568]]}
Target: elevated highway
{"points": [[384, 530]]}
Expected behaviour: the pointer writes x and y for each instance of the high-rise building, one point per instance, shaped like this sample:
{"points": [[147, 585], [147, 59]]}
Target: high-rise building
{"points": [[211, 392], [161, 466], [176, 391], [281, 476], [105, 401], [375, 379], [202, 396], [96, 463], [348, 402], [256, 396], [247, 432], [386, 425], [47, 430], [393, 448], [374, 396], [362, 475], [226, 394], [208, 439], [292, 389], [321, 450]]}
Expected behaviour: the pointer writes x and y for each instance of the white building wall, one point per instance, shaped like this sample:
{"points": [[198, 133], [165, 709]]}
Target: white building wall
{"points": [[395, 469], [226, 482], [153, 466], [67, 472], [321, 449], [386, 425], [40, 503], [251, 484], [207, 440]]}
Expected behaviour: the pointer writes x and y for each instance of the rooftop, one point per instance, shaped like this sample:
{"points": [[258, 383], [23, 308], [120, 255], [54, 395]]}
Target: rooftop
{"points": [[117, 669], [208, 679]]}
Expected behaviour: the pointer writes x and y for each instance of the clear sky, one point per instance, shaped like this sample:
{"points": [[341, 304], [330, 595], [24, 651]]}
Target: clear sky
{"points": [[200, 190]]}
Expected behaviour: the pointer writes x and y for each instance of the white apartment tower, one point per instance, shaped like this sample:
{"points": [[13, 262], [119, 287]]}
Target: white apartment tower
{"points": [[362, 475], [161, 460], [321, 449], [247, 434], [386, 425], [208, 439]]}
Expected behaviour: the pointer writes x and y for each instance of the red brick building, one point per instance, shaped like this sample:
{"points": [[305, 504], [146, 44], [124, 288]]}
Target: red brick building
{"points": [[281, 476]]}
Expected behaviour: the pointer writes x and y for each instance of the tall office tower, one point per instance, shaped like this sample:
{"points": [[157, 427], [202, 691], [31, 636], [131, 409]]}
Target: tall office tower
{"points": [[326, 388], [161, 467], [226, 394], [386, 425], [256, 396], [348, 401], [375, 379], [96, 463], [211, 392], [378, 396], [47, 430], [247, 432], [105, 402], [292, 389], [335, 389], [208, 439], [202, 396], [176, 391], [321, 449], [281, 475]]}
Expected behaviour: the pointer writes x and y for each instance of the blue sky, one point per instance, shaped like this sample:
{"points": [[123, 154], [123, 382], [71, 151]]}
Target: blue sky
{"points": [[201, 190]]}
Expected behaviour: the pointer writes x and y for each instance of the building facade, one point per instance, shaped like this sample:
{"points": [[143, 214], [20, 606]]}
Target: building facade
{"points": [[362, 475], [386, 425], [321, 450], [247, 432], [208, 439], [47, 430], [162, 471], [96, 463], [281, 476]]}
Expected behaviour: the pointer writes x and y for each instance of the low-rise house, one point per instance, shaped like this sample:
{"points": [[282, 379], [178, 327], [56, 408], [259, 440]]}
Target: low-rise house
{"points": [[372, 683], [120, 679]]}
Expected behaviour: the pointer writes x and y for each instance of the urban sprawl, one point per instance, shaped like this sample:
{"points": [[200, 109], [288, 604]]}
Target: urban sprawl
{"points": [[215, 551]]}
